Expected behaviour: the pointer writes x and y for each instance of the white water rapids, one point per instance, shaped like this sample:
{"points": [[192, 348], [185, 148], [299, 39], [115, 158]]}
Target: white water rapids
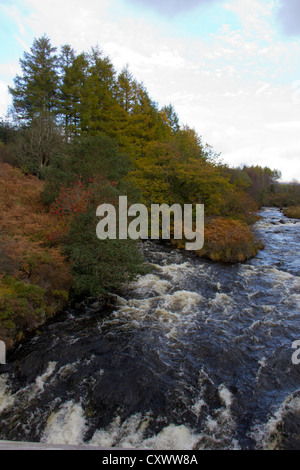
{"points": [[195, 355]]}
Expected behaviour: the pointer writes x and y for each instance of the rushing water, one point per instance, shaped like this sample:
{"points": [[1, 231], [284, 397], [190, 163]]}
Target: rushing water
{"points": [[195, 355]]}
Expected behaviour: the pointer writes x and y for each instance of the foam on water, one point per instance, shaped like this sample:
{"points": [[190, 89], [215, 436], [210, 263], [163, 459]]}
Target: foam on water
{"points": [[41, 380], [268, 435], [182, 301], [66, 426], [173, 438], [222, 299], [126, 435], [150, 283], [226, 396], [191, 349], [198, 406], [23, 396], [176, 271], [166, 308]]}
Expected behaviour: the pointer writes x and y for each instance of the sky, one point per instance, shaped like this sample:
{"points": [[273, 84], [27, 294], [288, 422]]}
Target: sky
{"points": [[230, 68]]}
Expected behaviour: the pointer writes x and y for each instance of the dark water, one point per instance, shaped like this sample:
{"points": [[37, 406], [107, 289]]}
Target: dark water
{"points": [[195, 355]]}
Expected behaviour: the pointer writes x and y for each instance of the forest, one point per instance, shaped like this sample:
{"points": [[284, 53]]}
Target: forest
{"points": [[79, 133]]}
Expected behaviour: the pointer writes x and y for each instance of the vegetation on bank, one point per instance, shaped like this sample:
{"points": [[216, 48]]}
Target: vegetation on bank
{"points": [[35, 279], [292, 211], [81, 134]]}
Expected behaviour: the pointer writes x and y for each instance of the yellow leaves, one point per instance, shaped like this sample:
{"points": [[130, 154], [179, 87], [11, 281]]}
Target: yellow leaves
{"points": [[154, 192], [168, 173]]}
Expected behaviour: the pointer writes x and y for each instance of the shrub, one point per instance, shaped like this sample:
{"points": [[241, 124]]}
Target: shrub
{"points": [[97, 266], [100, 266], [21, 304], [229, 240], [292, 212], [74, 200]]}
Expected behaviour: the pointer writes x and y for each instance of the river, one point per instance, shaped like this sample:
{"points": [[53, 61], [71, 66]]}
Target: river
{"points": [[195, 355]]}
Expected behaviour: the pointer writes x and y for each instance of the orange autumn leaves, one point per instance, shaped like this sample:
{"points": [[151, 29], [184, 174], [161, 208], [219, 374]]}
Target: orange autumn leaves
{"points": [[229, 240], [73, 201], [35, 278], [24, 222]]}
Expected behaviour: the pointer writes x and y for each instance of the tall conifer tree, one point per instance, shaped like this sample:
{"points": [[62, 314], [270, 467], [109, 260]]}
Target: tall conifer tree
{"points": [[35, 92], [74, 74]]}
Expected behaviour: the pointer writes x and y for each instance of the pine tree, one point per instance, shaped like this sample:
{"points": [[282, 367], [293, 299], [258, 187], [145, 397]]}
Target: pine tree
{"points": [[35, 92], [98, 102], [66, 58], [125, 90], [146, 123], [171, 118], [74, 74]]}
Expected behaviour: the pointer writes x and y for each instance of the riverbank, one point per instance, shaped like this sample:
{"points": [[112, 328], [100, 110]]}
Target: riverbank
{"points": [[35, 277]]}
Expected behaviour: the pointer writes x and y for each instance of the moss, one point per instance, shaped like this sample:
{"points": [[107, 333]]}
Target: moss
{"points": [[35, 259], [50, 311], [5, 291], [60, 294], [9, 325], [5, 313], [22, 306], [25, 306], [39, 312], [20, 289]]}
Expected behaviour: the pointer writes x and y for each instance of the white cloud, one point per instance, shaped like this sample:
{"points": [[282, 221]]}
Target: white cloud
{"points": [[284, 126], [262, 89], [254, 16]]}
